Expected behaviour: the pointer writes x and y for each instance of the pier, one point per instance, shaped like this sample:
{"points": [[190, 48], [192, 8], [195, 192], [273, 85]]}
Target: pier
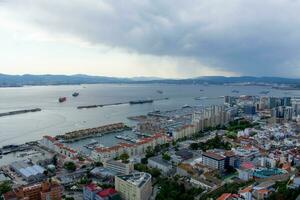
{"points": [[17, 112]]}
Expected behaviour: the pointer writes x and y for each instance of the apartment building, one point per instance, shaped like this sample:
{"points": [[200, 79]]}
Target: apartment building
{"points": [[136, 186]]}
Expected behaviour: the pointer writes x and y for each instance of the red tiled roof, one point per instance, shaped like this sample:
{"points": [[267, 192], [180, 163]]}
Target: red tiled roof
{"points": [[247, 165], [247, 189], [52, 139], [224, 196], [107, 192]]}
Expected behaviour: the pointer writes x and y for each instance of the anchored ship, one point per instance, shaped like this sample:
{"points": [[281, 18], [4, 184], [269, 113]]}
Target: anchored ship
{"points": [[75, 94], [62, 99]]}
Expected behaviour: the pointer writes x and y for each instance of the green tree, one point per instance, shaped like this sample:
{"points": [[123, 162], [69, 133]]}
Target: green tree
{"points": [[124, 157], [70, 166], [98, 164], [166, 156], [5, 187]]}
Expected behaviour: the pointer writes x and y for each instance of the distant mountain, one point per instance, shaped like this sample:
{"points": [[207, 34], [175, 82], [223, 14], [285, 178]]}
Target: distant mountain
{"points": [[28, 79], [47, 79], [145, 78]]}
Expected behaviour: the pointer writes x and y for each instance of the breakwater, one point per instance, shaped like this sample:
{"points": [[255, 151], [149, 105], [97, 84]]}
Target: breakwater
{"points": [[120, 103], [17, 112], [92, 132]]}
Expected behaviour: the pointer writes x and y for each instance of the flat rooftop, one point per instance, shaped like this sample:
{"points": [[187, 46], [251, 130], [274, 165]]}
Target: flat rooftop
{"points": [[137, 179]]}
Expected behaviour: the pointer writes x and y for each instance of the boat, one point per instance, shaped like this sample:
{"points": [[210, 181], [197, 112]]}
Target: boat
{"points": [[159, 91], [264, 92], [200, 98], [201, 90], [91, 144], [235, 91], [141, 101], [75, 94], [186, 106], [62, 99]]}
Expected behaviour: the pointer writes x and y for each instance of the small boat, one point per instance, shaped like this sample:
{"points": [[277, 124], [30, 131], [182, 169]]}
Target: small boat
{"points": [[186, 106], [235, 91], [201, 90], [200, 98], [159, 91], [264, 92], [62, 99], [75, 94]]}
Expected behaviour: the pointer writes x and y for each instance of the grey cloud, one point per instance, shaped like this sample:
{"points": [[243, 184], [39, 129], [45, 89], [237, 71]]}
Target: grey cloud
{"points": [[251, 37]]}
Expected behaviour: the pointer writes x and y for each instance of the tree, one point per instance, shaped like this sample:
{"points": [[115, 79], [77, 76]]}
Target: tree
{"points": [[80, 158], [5, 187], [69, 198], [194, 146], [54, 160], [154, 172], [70, 166], [149, 152], [166, 156], [124, 157], [98, 164], [46, 172], [144, 161]]}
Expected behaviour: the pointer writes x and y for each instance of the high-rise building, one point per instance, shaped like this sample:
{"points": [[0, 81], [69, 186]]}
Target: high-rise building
{"points": [[213, 160], [136, 186]]}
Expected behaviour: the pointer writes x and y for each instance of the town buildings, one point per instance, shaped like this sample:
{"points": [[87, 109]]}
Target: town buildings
{"points": [[40, 191]]}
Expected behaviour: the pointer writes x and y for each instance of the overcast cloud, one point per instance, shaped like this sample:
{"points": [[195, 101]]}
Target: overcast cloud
{"points": [[245, 37]]}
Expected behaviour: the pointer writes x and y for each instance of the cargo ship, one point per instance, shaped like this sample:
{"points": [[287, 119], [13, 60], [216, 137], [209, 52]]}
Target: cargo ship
{"points": [[62, 99], [141, 101], [75, 94]]}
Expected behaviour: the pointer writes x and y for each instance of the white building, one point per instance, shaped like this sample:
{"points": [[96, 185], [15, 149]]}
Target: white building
{"points": [[119, 167], [136, 186]]}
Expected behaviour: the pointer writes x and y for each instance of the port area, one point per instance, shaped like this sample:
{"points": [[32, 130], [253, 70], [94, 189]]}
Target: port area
{"points": [[86, 145], [17, 112], [29, 151], [121, 103]]}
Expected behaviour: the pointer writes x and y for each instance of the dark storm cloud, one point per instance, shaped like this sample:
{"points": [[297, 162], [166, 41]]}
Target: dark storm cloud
{"points": [[251, 37]]}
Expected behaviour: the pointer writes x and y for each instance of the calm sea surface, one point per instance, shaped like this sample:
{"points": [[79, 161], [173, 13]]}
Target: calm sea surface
{"points": [[58, 118]]}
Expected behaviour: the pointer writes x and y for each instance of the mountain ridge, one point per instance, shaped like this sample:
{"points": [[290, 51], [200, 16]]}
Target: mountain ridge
{"points": [[50, 79]]}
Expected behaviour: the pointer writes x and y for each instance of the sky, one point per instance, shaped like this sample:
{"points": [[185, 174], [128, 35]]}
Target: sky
{"points": [[160, 38]]}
